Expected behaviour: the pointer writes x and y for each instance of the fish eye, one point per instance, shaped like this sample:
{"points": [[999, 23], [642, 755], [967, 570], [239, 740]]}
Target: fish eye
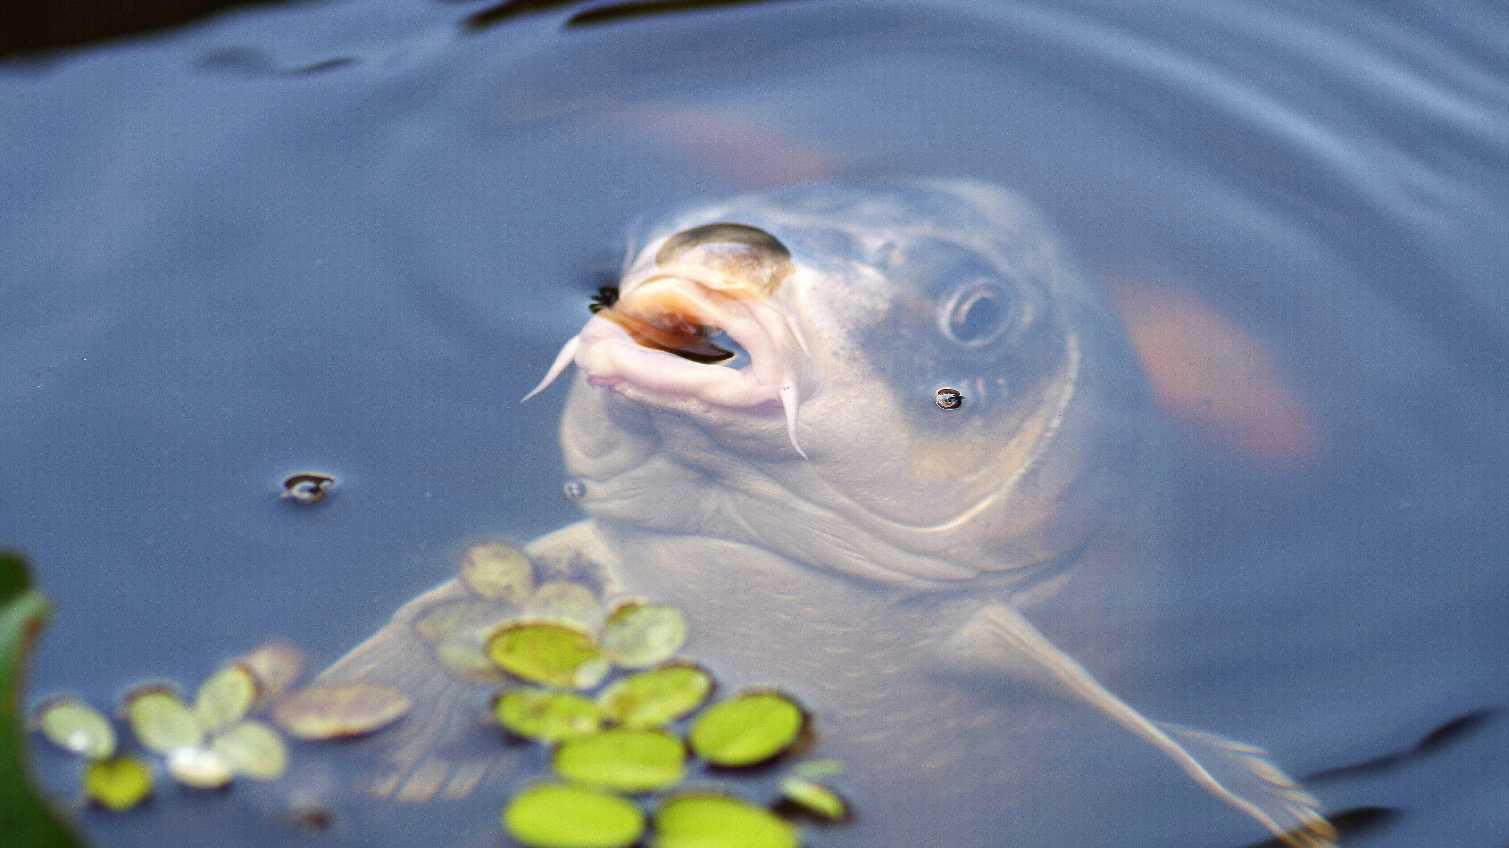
{"points": [[977, 314]]}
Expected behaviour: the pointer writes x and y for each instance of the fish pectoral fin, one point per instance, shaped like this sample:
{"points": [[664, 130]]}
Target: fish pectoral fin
{"points": [[432, 753], [998, 639]]}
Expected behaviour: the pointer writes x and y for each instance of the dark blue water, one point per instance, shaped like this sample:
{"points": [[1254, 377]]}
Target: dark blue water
{"points": [[348, 236]]}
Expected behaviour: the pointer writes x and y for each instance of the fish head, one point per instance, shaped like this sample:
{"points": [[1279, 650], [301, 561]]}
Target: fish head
{"points": [[901, 381]]}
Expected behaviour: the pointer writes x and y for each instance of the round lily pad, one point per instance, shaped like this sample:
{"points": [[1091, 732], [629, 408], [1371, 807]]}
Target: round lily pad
{"points": [[547, 716], [498, 572], [709, 820], [656, 697], [639, 635], [119, 783], [225, 697], [552, 653], [623, 760], [340, 711], [551, 815], [748, 729], [75, 726], [253, 749], [564, 600], [814, 798], [200, 768], [161, 721]]}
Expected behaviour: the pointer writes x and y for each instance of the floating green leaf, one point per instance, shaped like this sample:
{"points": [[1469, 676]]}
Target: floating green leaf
{"points": [[552, 653], [748, 729], [75, 726], [225, 697], [161, 721], [200, 768], [547, 716], [340, 711], [551, 815], [638, 635], [708, 820], [253, 749], [27, 818], [815, 798], [498, 572], [656, 697], [623, 760], [119, 783], [563, 600]]}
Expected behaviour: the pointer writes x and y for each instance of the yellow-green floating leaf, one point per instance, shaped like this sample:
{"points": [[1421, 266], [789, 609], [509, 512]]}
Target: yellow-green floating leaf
{"points": [[623, 760], [552, 653], [638, 635], [253, 749], [748, 729], [706, 820], [161, 721], [563, 600], [200, 768], [340, 711], [547, 716], [815, 798], [551, 815], [656, 697], [119, 783], [497, 572], [225, 697], [275, 665], [75, 726]]}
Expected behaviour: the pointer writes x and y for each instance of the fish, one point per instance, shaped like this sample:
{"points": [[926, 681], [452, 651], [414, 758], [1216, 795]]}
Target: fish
{"points": [[756, 431]]}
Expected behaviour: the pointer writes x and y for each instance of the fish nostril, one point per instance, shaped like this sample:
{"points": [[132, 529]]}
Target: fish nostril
{"points": [[743, 253]]}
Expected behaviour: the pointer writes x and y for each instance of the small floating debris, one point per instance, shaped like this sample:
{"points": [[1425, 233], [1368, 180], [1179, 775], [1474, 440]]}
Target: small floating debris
{"points": [[657, 697], [623, 760], [814, 799], [307, 487], [638, 635], [252, 749], [712, 820], [552, 815], [118, 783], [497, 572], [340, 712], [748, 729], [547, 716], [161, 721], [947, 398], [76, 727], [549, 653]]}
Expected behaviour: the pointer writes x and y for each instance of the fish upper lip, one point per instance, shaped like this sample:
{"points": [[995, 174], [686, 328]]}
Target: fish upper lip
{"points": [[610, 356]]}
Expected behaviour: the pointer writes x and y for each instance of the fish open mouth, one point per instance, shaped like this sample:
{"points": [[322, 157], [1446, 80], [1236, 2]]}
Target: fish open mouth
{"points": [[658, 339]]}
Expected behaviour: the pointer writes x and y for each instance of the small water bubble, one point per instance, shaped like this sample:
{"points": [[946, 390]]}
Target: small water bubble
{"points": [[307, 487], [575, 490], [949, 398]]}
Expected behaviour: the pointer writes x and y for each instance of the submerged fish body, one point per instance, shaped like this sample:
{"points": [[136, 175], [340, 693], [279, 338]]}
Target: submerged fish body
{"points": [[826, 525]]}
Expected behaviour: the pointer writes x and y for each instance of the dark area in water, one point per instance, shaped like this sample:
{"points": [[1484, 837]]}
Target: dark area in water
{"points": [[27, 27]]}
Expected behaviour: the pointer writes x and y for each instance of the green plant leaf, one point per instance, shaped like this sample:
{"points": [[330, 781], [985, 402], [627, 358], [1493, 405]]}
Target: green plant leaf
{"points": [[547, 652], [25, 818], [656, 697], [545, 715], [710, 820], [748, 729], [118, 784], [638, 635], [550, 815], [77, 727], [623, 760]]}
